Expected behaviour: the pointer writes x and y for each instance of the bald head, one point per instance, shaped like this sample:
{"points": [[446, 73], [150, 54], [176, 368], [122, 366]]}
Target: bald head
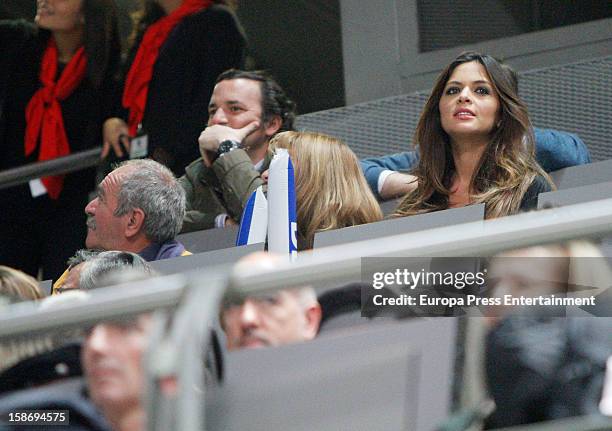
{"points": [[283, 317]]}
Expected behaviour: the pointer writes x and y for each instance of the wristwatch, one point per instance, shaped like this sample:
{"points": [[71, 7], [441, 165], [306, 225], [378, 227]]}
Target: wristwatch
{"points": [[227, 146]]}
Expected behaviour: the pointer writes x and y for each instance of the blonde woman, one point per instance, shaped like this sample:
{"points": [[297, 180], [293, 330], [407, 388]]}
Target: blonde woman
{"points": [[331, 191], [18, 286]]}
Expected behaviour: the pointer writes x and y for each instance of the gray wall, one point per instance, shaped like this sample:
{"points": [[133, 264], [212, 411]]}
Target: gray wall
{"points": [[444, 24], [382, 43]]}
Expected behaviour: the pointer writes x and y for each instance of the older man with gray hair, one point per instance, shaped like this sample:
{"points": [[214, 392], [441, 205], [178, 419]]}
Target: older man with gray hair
{"points": [[139, 207], [100, 269], [69, 280]]}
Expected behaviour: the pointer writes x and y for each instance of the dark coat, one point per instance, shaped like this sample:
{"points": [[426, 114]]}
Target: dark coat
{"points": [[541, 368], [44, 232], [66, 395], [225, 187], [197, 50]]}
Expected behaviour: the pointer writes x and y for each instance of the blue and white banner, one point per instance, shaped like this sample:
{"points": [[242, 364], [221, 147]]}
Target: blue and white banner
{"points": [[282, 215], [254, 221]]}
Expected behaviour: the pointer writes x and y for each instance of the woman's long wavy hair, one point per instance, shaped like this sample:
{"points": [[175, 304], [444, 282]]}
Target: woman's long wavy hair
{"points": [[506, 168], [331, 191]]}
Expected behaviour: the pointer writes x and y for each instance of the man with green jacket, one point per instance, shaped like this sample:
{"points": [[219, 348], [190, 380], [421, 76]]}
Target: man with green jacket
{"points": [[246, 109]]}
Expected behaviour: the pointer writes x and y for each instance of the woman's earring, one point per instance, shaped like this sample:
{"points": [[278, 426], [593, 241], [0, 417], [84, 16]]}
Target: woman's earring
{"points": [[498, 124]]}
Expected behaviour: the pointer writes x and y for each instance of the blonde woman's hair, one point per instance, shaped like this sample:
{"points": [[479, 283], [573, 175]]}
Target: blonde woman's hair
{"points": [[18, 286], [331, 191]]}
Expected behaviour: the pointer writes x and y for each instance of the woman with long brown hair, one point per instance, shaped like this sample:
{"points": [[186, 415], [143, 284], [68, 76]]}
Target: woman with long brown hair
{"points": [[331, 191], [476, 143]]}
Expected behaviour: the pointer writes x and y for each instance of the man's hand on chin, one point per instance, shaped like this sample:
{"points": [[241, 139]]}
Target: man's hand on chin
{"points": [[212, 136]]}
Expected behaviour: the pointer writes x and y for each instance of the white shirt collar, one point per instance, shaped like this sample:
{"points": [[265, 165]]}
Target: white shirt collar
{"points": [[259, 165]]}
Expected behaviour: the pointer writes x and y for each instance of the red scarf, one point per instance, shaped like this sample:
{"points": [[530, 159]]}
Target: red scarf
{"points": [[141, 71], [44, 113]]}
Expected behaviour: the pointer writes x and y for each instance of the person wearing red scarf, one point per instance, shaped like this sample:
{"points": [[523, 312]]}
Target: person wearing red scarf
{"points": [[54, 96], [180, 49], [44, 121]]}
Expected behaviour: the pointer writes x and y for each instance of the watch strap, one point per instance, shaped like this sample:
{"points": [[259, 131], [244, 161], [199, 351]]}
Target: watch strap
{"points": [[227, 146]]}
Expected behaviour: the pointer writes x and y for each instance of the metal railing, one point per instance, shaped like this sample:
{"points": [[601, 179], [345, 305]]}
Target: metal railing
{"points": [[124, 300], [196, 296], [62, 165], [482, 238]]}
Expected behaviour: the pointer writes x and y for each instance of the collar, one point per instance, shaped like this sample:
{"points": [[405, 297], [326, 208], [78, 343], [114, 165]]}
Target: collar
{"points": [[167, 250], [150, 252]]}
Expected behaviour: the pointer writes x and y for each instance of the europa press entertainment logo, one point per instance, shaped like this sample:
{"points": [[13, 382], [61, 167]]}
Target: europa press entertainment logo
{"points": [[477, 287]]}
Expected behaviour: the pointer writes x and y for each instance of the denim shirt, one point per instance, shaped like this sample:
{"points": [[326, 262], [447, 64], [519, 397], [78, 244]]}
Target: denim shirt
{"points": [[554, 150]]}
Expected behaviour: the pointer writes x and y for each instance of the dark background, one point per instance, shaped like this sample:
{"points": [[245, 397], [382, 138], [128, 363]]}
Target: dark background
{"points": [[299, 42]]}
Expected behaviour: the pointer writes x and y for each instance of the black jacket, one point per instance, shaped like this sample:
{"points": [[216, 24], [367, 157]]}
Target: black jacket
{"points": [[67, 395], [197, 50], [541, 368], [21, 49]]}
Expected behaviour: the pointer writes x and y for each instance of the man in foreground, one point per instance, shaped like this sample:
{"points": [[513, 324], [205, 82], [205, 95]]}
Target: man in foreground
{"points": [[283, 317]]}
